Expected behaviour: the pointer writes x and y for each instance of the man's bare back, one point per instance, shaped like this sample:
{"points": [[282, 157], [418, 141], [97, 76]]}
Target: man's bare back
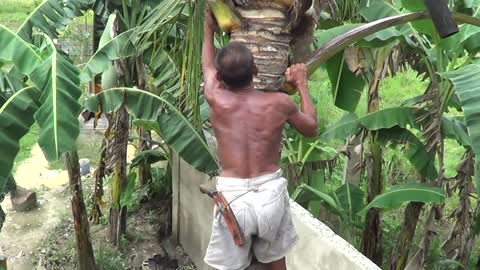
{"points": [[248, 123], [248, 127]]}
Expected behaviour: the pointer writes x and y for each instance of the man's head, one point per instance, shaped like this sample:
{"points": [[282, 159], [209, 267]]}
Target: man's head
{"points": [[235, 65]]}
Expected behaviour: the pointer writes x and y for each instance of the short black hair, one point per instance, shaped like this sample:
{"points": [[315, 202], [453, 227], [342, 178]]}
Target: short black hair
{"points": [[235, 65]]}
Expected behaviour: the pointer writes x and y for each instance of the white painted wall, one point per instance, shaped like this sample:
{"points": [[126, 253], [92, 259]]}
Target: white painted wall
{"points": [[319, 247]]}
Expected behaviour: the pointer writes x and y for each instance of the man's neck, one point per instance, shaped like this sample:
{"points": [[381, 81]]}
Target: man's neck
{"points": [[244, 90]]}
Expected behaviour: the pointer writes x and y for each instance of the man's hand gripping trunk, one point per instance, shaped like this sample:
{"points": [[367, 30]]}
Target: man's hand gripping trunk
{"points": [[227, 213]]}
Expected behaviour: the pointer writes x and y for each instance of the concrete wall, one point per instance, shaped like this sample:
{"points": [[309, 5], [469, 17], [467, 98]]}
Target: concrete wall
{"points": [[318, 248]]}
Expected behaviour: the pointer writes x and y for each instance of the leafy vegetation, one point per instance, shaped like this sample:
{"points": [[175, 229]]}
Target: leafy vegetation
{"points": [[386, 84]]}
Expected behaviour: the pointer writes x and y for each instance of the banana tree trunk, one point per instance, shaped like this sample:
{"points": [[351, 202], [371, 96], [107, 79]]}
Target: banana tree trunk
{"points": [[144, 174], [372, 245], [417, 262], [461, 239], [144, 170], [96, 212], [398, 259], [118, 213], [85, 257], [353, 165], [372, 235], [117, 220]]}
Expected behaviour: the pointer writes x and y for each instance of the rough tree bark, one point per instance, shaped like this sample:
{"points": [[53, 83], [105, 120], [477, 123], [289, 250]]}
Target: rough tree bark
{"points": [[271, 29], [371, 244], [458, 246], [118, 214], [144, 170], [353, 165], [85, 257], [398, 259], [96, 211]]}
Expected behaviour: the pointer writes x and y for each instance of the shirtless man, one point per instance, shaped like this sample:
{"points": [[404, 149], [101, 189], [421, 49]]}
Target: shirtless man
{"points": [[248, 126]]}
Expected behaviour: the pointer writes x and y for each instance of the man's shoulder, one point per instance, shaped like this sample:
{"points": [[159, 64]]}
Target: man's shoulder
{"points": [[280, 98], [212, 91]]}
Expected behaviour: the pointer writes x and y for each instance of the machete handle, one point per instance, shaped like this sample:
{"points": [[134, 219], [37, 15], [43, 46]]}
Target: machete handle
{"points": [[205, 190]]}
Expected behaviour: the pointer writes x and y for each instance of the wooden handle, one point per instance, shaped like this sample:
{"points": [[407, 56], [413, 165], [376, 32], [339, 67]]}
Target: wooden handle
{"points": [[204, 190]]}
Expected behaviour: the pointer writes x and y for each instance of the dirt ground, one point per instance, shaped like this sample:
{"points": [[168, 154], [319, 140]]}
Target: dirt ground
{"points": [[43, 238], [23, 232]]}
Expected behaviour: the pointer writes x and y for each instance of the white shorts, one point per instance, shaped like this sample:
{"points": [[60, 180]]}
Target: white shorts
{"points": [[262, 208]]}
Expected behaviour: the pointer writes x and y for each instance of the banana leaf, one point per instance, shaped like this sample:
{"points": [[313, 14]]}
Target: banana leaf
{"points": [[414, 150], [379, 9], [351, 198], [15, 50], [347, 87], [348, 125], [16, 118], [465, 81], [174, 128], [423, 26], [387, 118], [345, 202], [390, 117], [456, 129], [305, 193], [58, 79], [51, 16], [147, 157], [117, 48], [165, 72], [398, 195]]}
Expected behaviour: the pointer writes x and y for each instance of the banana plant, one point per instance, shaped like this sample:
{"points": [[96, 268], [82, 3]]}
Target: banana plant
{"points": [[378, 13], [52, 102], [345, 202], [158, 114]]}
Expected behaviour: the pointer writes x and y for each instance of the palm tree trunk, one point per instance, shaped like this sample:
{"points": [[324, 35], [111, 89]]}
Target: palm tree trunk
{"points": [[269, 39], [118, 213], [268, 29], [85, 257]]}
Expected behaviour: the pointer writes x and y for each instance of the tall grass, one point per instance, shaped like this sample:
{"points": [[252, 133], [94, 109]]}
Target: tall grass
{"points": [[14, 12]]}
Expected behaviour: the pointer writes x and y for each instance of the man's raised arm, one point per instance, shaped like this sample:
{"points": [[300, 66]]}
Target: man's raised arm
{"points": [[208, 52], [305, 121]]}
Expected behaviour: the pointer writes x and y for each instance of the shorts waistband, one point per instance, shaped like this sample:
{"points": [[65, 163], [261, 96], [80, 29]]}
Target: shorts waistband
{"points": [[230, 182]]}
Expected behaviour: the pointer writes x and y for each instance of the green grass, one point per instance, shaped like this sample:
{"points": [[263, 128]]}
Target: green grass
{"points": [[395, 90], [14, 12], [26, 145]]}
